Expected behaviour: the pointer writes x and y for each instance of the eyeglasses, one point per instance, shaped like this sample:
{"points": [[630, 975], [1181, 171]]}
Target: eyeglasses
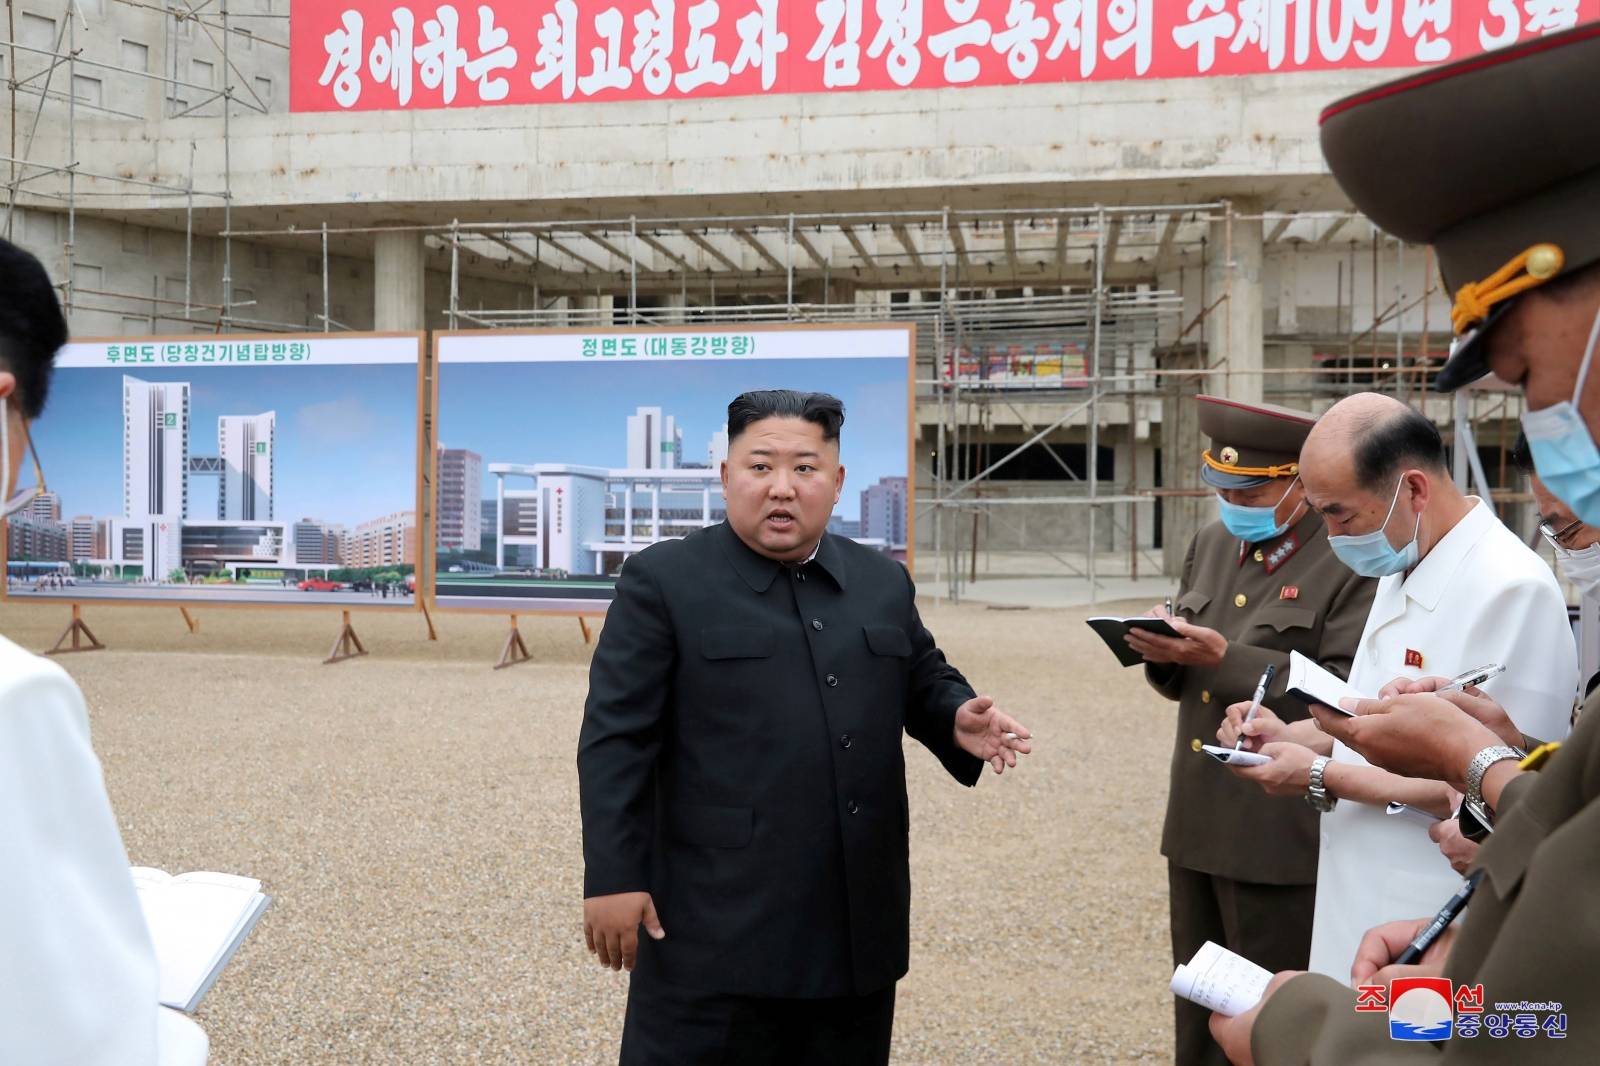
{"points": [[1560, 538]]}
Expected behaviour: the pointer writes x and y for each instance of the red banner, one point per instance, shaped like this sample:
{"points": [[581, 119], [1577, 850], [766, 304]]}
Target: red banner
{"points": [[364, 55]]}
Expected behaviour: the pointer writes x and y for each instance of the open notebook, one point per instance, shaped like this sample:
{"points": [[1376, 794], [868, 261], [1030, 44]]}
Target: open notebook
{"points": [[197, 922]]}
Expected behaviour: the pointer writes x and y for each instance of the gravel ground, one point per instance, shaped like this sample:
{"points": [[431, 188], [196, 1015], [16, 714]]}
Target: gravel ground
{"points": [[415, 816]]}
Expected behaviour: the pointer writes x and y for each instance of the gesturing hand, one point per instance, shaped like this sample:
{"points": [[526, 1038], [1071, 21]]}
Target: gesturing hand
{"points": [[611, 926], [984, 730]]}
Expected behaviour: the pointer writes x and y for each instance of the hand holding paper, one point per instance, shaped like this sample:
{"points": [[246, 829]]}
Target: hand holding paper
{"points": [[1219, 980]]}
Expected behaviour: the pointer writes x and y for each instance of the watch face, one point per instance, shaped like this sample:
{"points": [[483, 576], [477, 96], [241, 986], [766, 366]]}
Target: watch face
{"points": [[1474, 821]]}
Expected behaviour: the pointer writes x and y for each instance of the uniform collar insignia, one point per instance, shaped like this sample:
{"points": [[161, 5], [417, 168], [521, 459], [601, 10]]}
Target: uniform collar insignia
{"points": [[1282, 553]]}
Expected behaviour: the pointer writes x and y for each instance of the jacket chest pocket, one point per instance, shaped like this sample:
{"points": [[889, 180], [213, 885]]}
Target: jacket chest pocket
{"points": [[1283, 626], [737, 642], [884, 671], [889, 642], [1191, 603]]}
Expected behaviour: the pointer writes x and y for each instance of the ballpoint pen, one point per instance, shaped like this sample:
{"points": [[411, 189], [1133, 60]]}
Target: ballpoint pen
{"points": [[1473, 677], [1255, 701]]}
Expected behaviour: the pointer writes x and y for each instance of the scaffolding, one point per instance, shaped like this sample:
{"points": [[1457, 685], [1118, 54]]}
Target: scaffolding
{"points": [[32, 182], [1049, 316], [1066, 324]]}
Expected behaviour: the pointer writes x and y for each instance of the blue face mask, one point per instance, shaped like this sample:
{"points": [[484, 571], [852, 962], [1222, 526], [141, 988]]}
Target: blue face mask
{"points": [[1254, 524], [1563, 450], [1371, 554]]}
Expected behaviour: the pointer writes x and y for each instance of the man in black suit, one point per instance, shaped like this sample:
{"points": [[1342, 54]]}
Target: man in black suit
{"points": [[740, 766]]}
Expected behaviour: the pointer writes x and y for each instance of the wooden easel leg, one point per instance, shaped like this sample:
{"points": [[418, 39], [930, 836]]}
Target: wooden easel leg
{"points": [[76, 630], [433, 634], [584, 625], [515, 651], [192, 622], [347, 646]]}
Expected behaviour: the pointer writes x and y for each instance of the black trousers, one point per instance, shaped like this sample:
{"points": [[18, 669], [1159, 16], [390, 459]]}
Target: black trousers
{"points": [[669, 1025], [1268, 924]]}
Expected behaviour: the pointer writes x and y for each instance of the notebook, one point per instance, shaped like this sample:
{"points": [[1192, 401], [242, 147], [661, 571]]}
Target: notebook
{"points": [[1112, 630], [1309, 682], [1238, 757], [197, 921]]}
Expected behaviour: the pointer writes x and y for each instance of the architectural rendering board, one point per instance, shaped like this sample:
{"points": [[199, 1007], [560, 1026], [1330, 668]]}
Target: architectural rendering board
{"points": [[278, 469], [561, 453]]}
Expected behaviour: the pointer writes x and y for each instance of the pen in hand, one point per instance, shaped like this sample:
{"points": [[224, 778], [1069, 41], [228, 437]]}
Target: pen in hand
{"points": [[1441, 921], [1255, 701], [1473, 677]]}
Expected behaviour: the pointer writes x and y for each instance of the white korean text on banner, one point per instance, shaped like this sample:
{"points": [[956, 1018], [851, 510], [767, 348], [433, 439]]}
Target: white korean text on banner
{"points": [[385, 54]]}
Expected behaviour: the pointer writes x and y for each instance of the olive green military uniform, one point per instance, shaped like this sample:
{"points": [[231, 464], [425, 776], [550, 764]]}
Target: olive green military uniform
{"points": [[1242, 865], [1488, 161], [1530, 935]]}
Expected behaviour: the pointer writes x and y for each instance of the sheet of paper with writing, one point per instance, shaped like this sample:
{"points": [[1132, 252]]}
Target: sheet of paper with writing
{"points": [[1219, 980]]}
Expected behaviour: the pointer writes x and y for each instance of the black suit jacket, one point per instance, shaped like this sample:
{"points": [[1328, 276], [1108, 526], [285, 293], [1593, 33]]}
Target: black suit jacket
{"points": [[740, 759]]}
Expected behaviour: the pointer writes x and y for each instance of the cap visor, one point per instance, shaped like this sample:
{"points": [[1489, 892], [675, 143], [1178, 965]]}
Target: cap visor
{"points": [[1219, 479], [1470, 359]]}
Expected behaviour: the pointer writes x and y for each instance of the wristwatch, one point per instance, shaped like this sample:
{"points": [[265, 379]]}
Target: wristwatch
{"points": [[1317, 795], [1475, 819]]}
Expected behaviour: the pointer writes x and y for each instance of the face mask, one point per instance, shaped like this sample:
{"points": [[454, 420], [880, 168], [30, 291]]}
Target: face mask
{"points": [[1581, 567], [1563, 451], [1371, 554], [1254, 524]]}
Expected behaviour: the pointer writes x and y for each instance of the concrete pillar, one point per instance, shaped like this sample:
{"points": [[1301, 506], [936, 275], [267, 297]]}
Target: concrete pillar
{"points": [[397, 277], [1233, 330]]}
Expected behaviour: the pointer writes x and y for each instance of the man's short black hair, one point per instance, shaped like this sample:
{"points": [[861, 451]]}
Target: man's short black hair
{"points": [[818, 407], [32, 328], [1394, 442]]}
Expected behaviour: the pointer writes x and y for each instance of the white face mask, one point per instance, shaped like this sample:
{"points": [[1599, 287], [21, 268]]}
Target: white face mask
{"points": [[1581, 567]]}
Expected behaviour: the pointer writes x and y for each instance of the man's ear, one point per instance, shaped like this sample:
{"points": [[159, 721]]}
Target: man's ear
{"points": [[838, 484], [8, 383], [1421, 490]]}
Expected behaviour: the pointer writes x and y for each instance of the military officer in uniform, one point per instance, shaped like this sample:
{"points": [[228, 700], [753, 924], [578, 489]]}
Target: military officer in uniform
{"points": [[1260, 583], [1516, 228], [740, 766]]}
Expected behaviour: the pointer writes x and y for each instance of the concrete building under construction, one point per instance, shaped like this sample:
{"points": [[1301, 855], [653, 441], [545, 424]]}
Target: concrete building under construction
{"points": [[1078, 259]]}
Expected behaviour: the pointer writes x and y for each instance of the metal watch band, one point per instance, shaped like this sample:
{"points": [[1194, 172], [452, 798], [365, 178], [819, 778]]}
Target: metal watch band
{"points": [[1316, 790], [1478, 767]]}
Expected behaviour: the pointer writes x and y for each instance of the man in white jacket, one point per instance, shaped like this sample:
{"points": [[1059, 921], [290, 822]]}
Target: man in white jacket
{"points": [[78, 974], [1459, 590]]}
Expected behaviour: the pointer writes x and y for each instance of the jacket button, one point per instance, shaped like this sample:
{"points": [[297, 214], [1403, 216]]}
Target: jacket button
{"points": [[845, 742], [1205, 695], [816, 623], [833, 682], [1260, 556], [1240, 600], [851, 807]]}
